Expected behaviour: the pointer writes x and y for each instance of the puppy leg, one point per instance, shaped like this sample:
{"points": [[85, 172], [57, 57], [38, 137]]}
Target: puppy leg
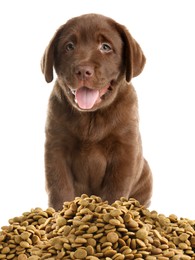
{"points": [[126, 178], [59, 183], [143, 189], [118, 180]]}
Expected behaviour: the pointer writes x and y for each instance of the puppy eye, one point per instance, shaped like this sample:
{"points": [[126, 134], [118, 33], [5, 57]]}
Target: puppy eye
{"points": [[69, 46], [105, 47]]}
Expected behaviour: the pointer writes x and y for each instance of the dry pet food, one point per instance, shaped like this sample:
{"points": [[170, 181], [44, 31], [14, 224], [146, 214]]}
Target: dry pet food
{"points": [[89, 228]]}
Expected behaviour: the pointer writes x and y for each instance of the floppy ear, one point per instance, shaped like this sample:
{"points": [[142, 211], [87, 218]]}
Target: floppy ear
{"points": [[47, 61], [133, 55]]}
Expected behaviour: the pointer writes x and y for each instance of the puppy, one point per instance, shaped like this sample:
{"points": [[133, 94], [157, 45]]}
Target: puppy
{"points": [[93, 143]]}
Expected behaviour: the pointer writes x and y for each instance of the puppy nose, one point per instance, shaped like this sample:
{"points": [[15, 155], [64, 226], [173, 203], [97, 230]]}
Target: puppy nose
{"points": [[83, 72]]}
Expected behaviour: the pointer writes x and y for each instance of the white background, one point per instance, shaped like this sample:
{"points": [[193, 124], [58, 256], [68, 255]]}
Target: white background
{"points": [[165, 30]]}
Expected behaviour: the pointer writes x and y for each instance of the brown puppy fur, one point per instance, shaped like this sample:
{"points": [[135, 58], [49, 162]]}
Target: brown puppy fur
{"points": [[93, 143]]}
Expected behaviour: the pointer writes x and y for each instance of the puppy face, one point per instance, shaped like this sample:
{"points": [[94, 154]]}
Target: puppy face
{"points": [[91, 55], [88, 62]]}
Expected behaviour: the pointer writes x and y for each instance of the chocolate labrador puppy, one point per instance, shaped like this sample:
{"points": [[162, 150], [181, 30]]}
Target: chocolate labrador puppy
{"points": [[93, 143]]}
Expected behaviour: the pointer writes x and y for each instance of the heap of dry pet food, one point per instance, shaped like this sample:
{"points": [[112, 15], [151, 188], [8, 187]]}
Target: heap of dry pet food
{"points": [[89, 228]]}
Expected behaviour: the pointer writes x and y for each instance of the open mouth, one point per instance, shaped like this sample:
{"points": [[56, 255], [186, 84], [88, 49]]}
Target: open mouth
{"points": [[87, 98]]}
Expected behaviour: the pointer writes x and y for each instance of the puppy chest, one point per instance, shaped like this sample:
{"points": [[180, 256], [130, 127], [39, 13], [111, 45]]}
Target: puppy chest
{"points": [[88, 166]]}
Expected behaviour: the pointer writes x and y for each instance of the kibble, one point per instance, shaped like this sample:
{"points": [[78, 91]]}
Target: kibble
{"points": [[141, 233], [112, 237], [89, 228]]}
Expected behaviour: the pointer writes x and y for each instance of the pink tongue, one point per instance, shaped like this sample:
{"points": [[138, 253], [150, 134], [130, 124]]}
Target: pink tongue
{"points": [[86, 98]]}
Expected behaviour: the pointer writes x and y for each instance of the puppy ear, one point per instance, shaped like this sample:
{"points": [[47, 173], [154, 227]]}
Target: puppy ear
{"points": [[133, 54], [47, 61]]}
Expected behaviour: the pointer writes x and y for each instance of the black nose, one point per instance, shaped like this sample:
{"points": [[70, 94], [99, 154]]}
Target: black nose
{"points": [[84, 72]]}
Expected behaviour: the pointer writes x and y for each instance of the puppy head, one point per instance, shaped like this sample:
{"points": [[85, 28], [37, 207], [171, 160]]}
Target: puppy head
{"points": [[92, 54]]}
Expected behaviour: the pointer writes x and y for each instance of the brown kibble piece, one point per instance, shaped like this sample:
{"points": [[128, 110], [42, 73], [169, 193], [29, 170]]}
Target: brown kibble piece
{"points": [[112, 237], [22, 257], [141, 234], [80, 253]]}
